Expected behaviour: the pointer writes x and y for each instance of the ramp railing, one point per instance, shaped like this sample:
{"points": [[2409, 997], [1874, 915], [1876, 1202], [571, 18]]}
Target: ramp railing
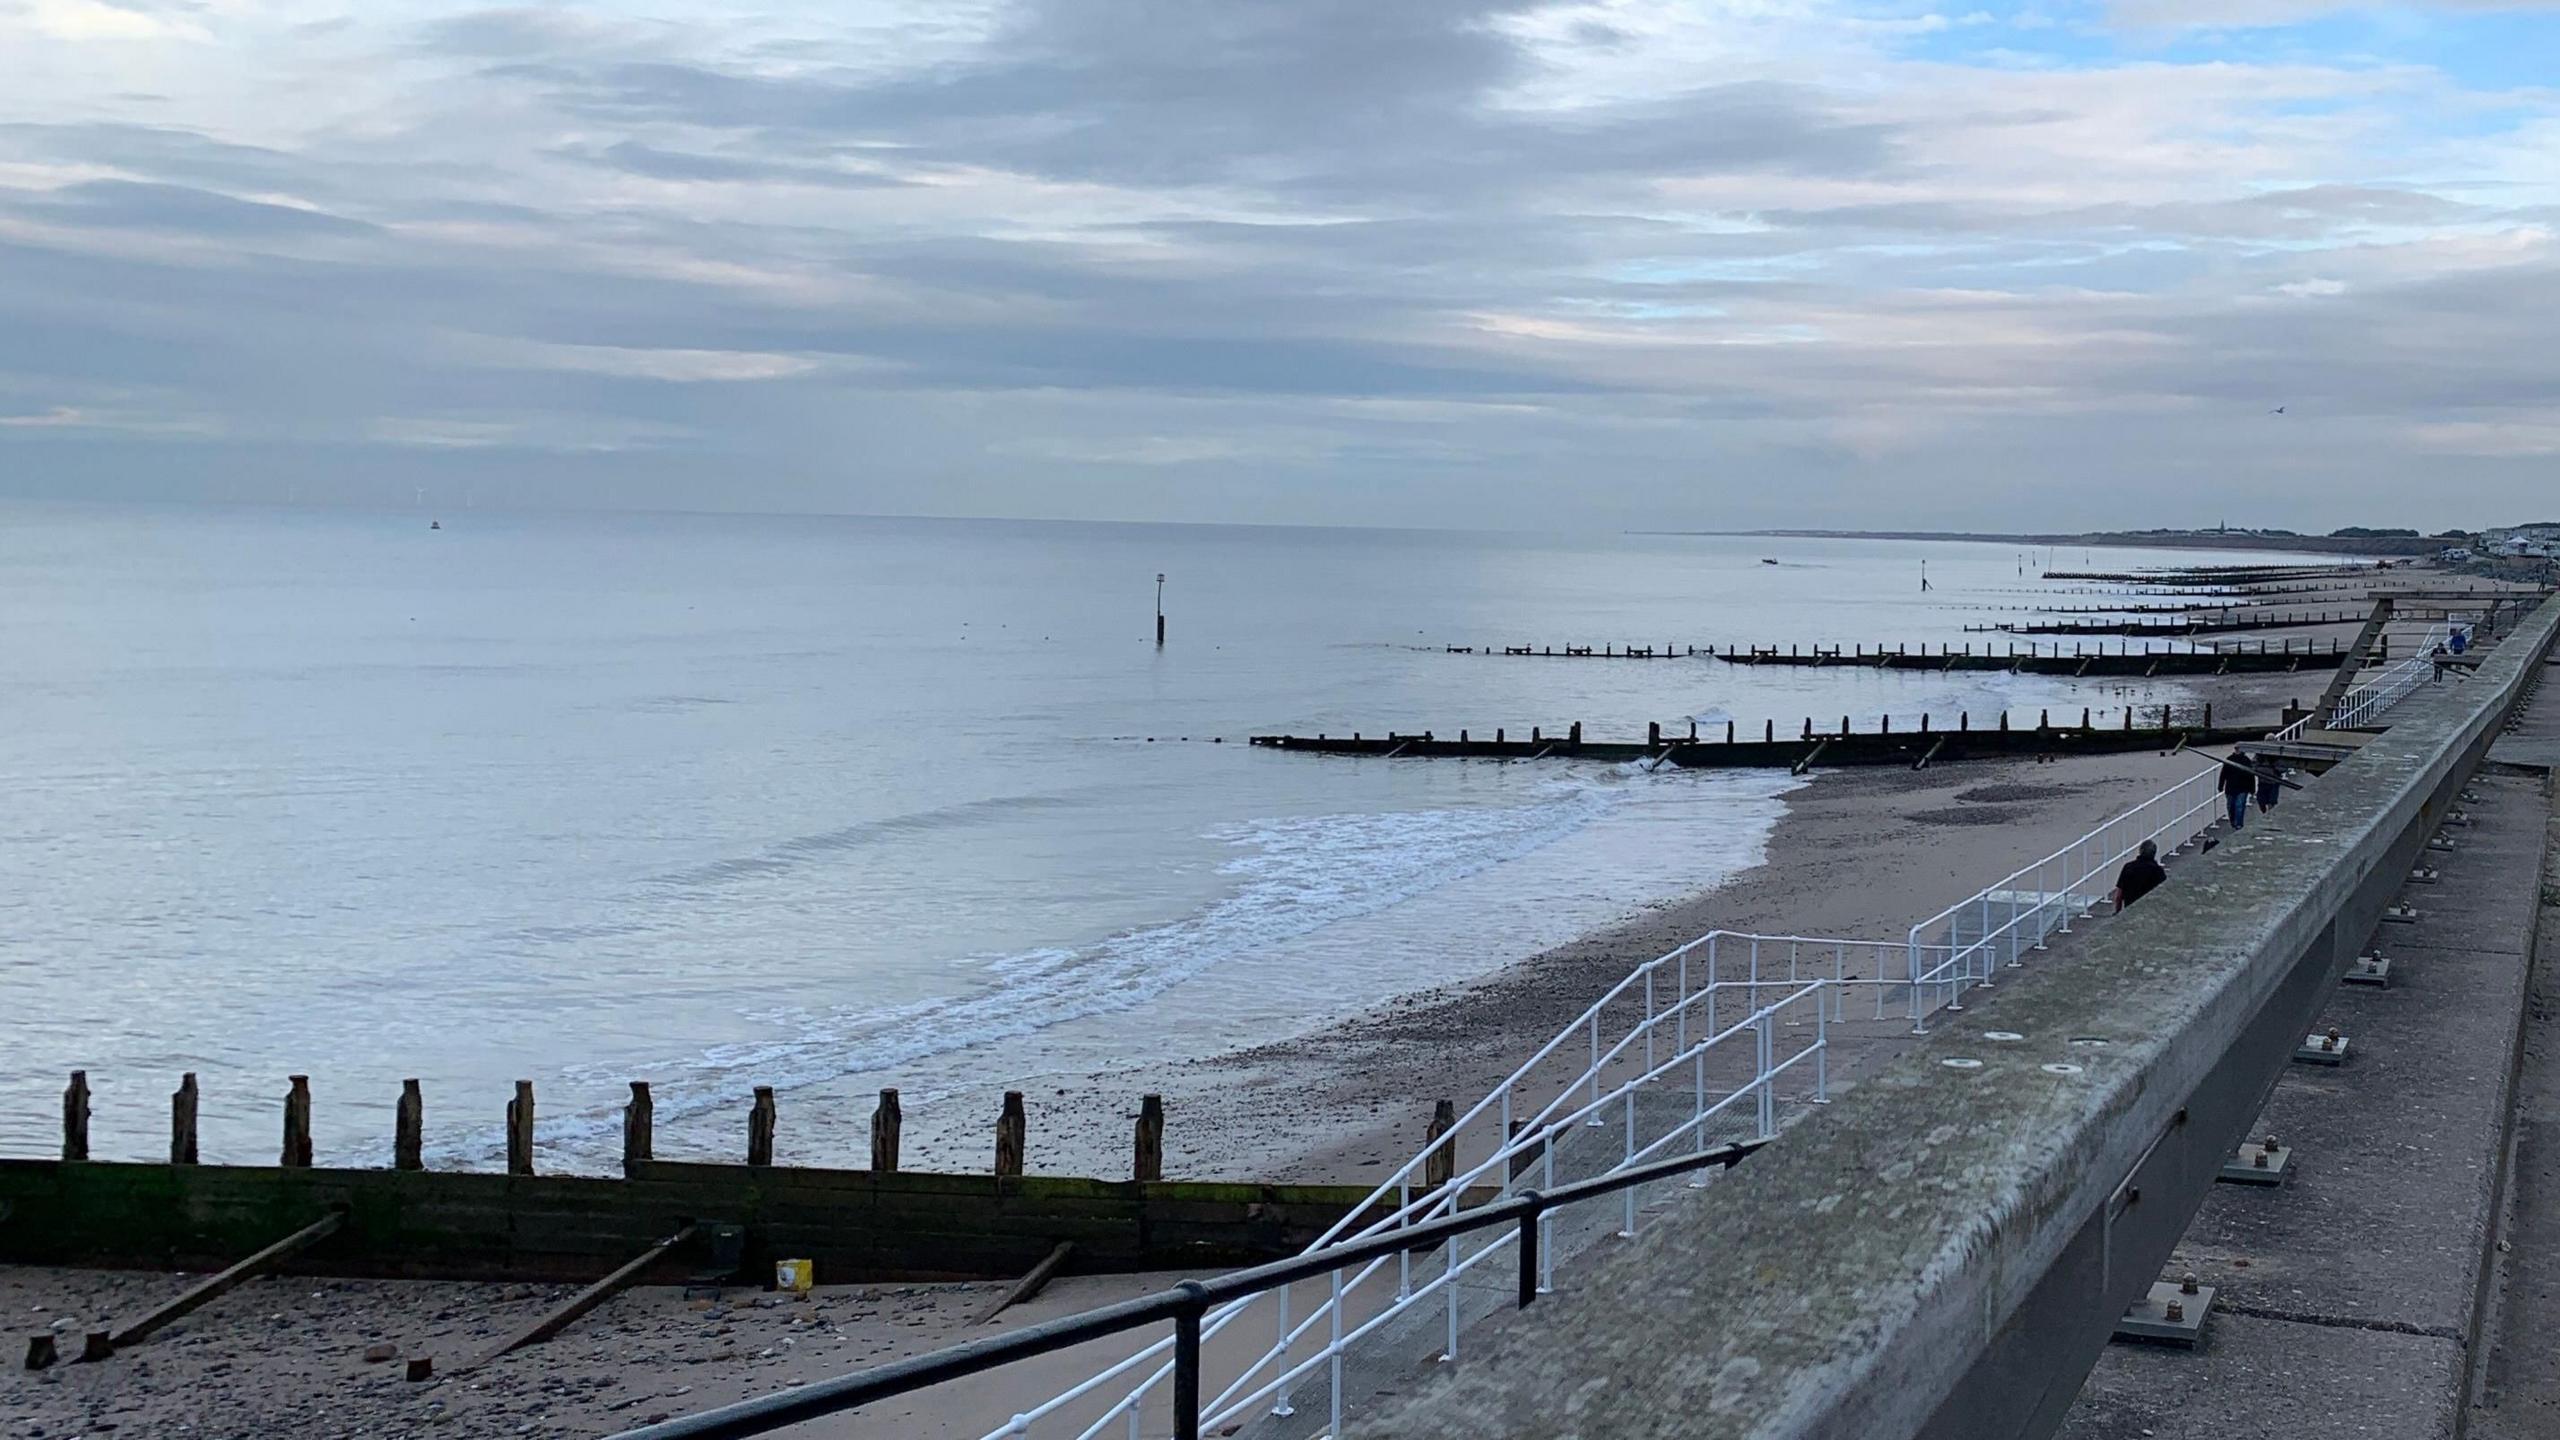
{"points": [[1997, 926], [1696, 1048], [2360, 705]]}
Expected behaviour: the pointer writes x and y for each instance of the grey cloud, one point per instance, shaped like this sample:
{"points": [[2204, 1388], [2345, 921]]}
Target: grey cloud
{"points": [[1332, 98], [513, 32], [1037, 122], [635, 158], [2300, 213], [138, 205], [166, 153]]}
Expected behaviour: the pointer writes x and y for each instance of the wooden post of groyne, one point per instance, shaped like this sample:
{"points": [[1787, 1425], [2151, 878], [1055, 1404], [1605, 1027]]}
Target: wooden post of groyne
{"points": [[1524, 1158], [1011, 1128], [297, 1123], [182, 1121], [639, 1126], [75, 1117], [884, 1134], [520, 1130], [1150, 1161], [760, 1117], [1440, 1161], [409, 1129]]}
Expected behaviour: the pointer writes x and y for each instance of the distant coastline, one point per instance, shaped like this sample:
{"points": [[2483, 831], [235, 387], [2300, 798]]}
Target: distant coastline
{"points": [[2142, 539]]}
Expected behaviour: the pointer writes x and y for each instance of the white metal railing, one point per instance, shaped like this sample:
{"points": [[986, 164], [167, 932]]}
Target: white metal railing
{"points": [[1692, 1049], [2360, 705], [1962, 945]]}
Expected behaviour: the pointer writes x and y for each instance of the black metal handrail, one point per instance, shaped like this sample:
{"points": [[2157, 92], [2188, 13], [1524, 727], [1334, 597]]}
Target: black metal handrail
{"points": [[1184, 1305]]}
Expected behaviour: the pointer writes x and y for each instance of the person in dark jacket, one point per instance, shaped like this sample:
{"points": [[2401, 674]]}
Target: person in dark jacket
{"points": [[2238, 784], [2140, 876], [2270, 784]]}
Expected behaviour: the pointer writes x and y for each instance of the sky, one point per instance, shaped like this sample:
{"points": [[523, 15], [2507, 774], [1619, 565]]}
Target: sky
{"points": [[2036, 264]]}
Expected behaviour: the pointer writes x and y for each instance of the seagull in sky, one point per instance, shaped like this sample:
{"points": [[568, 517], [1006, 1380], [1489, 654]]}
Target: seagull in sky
{"points": [[2277, 411]]}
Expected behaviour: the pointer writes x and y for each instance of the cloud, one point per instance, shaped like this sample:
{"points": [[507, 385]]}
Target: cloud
{"points": [[1314, 259], [675, 366], [86, 420], [512, 33], [136, 205], [2265, 14], [105, 20], [1146, 450], [2503, 439], [634, 158]]}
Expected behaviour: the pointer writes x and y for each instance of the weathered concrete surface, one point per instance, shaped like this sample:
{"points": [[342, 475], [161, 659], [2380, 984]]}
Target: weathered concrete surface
{"points": [[1943, 1252], [2258, 1378], [2516, 1377], [2384, 1228], [2535, 739]]}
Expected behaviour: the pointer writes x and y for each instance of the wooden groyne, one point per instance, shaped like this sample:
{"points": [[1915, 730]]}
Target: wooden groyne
{"points": [[2163, 629], [2177, 607], [1932, 742], [878, 1223], [1584, 652], [856, 1225], [2220, 574], [2124, 660], [2284, 657]]}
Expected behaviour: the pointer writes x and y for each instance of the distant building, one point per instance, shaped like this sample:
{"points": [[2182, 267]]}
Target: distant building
{"points": [[2537, 539]]}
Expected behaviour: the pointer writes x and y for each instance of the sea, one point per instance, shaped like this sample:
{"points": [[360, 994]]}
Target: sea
{"points": [[722, 801]]}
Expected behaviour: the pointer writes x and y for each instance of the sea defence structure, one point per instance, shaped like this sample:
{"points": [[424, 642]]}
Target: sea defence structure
{"points": [[1946, 1251], [2192, 624], [1920, 742], [2212, 576], [879, 1222], [2239, 658]]}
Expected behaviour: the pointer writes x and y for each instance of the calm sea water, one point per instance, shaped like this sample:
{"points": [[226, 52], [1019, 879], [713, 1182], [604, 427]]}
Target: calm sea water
{"points": [[723, 801]]}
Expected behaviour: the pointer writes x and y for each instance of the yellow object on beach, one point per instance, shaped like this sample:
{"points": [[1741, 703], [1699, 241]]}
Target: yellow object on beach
{"points": [[794, 1276]]}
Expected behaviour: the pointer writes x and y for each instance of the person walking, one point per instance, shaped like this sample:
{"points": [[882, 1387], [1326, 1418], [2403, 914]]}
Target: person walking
{"points": [[2270, 783], [2238, 784], [2140, 876]]}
